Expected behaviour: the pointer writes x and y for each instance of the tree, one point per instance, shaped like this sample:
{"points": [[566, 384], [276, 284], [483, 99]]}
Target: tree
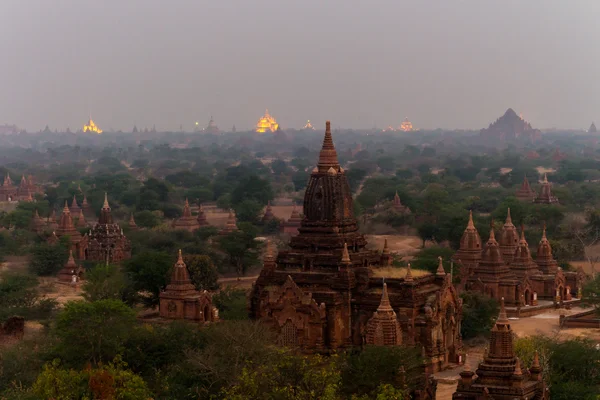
{"points": [[106, 282], [289, 377], [110, 381], [149, 273], [203, 272], [364, 372], [427, 231], [252, 188], [479, 314], [241, 250], [19, 296], [427, 259], [232, 304], [92, 332], [47, 259], [248, 211], [146, 219]]}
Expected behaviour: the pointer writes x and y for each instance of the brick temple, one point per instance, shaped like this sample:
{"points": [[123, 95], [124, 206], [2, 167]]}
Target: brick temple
{"points": [[106, 241], [323, 293]]}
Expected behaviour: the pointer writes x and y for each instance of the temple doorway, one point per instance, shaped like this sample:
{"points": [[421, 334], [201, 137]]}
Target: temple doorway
{"points": [[528, 297], [207, 314]]}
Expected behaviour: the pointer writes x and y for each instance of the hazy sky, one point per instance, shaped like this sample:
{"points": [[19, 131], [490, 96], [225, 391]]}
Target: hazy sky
{"points": [[443, 63]]}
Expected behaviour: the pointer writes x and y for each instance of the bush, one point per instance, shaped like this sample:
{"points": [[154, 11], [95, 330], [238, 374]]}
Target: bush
{"points": [[203, 272], [19, 296], [107, 282], [147, 219]]}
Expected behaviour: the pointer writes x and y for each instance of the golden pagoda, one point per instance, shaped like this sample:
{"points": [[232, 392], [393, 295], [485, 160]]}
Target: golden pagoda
{"points": [[406, 125], [308, 126], [266, 123], [92, 127]]}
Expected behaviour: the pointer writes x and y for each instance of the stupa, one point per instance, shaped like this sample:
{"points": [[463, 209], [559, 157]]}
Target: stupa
{"points": [[509, 239], [398, 206], [77, 243], [8, 192], [75, 209], [186, 221], [469, 252], [181, 300], [293, 223], [51, 222], [201, 217], [308, 126], [69, 269], [212, 128], [231, 225], [268, 215], [266, 123], [38, 225], [545, 195], [592, 128], [383, 329], [81, 222], [92, 127], [132, 224], [87, 208], [406, 125]]}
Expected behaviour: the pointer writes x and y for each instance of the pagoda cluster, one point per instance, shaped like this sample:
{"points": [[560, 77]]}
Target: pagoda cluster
{"points": [[25, 191], [506, 269], [544, 196]]}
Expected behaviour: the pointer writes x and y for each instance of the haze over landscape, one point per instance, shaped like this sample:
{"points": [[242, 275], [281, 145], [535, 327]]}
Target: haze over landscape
{"points": [[360, 64]]}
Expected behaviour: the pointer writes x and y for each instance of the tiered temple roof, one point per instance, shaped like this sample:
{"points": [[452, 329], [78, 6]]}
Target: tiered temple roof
{"points": [[69, 269], [186, 221], [544, 258], [132, 224], [523, 265], [398, 206], [469, 253], [66, 226], [266, 123], [38, 225], [509, 239], [383, 329], [545, 195], [500, 374], [75, 209]]}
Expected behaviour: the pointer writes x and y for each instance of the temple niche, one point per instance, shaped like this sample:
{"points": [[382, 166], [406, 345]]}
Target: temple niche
{"points": [[501, 374], [181, 300], [324, 293], [107, 243], [517, 278]]}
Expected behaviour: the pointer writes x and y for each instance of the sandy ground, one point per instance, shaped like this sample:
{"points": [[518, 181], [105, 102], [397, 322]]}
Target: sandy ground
{"points": [[218, 218], [401, 245]]}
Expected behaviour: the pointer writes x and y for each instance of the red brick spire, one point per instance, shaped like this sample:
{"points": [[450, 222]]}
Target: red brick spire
{"points": [[105, 213], [328, 156]]}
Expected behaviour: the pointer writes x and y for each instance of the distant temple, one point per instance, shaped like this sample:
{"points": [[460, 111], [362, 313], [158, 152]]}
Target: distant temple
{"points": [[69, 270], [231, 225], [325, 294], [398, 206], [181, 300], [545, 195], [501, 375], [525, 192], [212, 128], [186, 221], [308, 126], [592, 128], [77, 242], [266, 123], [268, 215], [511, 126], [293, 223], [92, 127], [24, 192], [406, 125]]}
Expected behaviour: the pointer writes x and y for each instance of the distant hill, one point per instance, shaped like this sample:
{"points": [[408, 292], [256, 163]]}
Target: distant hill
{"points": [[510, 127]]}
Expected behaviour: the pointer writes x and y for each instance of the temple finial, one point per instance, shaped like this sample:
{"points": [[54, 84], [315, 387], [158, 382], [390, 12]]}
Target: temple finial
{"points": [[536, 360], [440, 269], [105, 201], [502, 318], [471, 224], [492, 234], [508, 217], [345, 255], [180, 258], [384, 305], [408, 277], [328, 156], [522, 232], [545, 177]]}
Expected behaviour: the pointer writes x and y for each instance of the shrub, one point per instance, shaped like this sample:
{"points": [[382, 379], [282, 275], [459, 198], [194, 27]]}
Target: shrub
{"points": [[479, 314]]}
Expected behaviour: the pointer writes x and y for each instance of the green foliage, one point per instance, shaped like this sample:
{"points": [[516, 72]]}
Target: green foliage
{"points": [[364, 372], [427, 258], [20, 364], [149, 273], [241, 250], [92, 332], [252, 188], [106, 282], [290, 377], [232, 304], [19, 296], [203, 273], [248, 211], [110, 381], [47, 259], [147, 219], [479, 314], [591, 293]]}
